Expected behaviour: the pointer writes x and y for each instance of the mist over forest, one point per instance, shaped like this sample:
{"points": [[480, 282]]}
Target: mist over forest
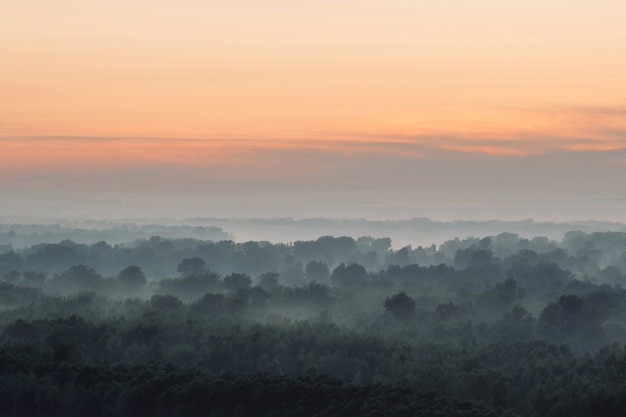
{"points": [[103, 318], [338, 208], [28, 230]]}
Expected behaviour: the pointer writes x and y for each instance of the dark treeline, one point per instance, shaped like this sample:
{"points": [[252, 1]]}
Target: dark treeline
{"points": [[283, 229], [19, 235], [480, 326], [153, 389]]}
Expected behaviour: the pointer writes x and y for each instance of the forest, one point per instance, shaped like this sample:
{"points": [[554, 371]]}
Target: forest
{"points": [[495, 325]]}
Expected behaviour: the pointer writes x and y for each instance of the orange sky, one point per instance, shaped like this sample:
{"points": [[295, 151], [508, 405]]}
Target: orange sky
{"points": [[105, 85], [265, 69]]}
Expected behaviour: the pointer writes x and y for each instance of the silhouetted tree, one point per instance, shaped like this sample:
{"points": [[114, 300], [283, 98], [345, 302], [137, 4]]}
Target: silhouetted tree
{"points": [[77, 278], [317, 271], [166, 302], [269, 281], [235, 282], [353, 275], [400, 305], [210, 304], [132, 278], [191, 266]]}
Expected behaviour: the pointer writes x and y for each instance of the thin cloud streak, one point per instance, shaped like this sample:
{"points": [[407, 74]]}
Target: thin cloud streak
{"points": [[167, 164], [39, 154]]}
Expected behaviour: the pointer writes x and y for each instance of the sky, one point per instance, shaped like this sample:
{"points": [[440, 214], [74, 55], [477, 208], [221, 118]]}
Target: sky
{"points": [[378, 109]]}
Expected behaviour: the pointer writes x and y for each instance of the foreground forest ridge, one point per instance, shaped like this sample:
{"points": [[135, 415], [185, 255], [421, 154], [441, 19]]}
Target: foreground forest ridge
{"points": [[490, 326]]}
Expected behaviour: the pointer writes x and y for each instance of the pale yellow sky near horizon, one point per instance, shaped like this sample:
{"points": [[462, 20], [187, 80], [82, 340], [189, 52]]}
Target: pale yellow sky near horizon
{"points": [[275, 69]]}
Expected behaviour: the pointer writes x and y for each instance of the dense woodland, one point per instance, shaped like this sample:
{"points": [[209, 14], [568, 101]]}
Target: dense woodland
{"points": [[490, 326]]}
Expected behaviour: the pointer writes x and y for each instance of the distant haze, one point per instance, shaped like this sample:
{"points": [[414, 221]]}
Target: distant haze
{"points": [[303, 182]]}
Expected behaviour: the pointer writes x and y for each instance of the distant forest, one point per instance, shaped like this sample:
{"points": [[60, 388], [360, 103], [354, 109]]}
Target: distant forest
{"points": [[499, 325]]}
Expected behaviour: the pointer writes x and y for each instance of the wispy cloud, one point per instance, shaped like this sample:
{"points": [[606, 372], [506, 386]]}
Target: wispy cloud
{"points": [[141, 163], [582, 136]]}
